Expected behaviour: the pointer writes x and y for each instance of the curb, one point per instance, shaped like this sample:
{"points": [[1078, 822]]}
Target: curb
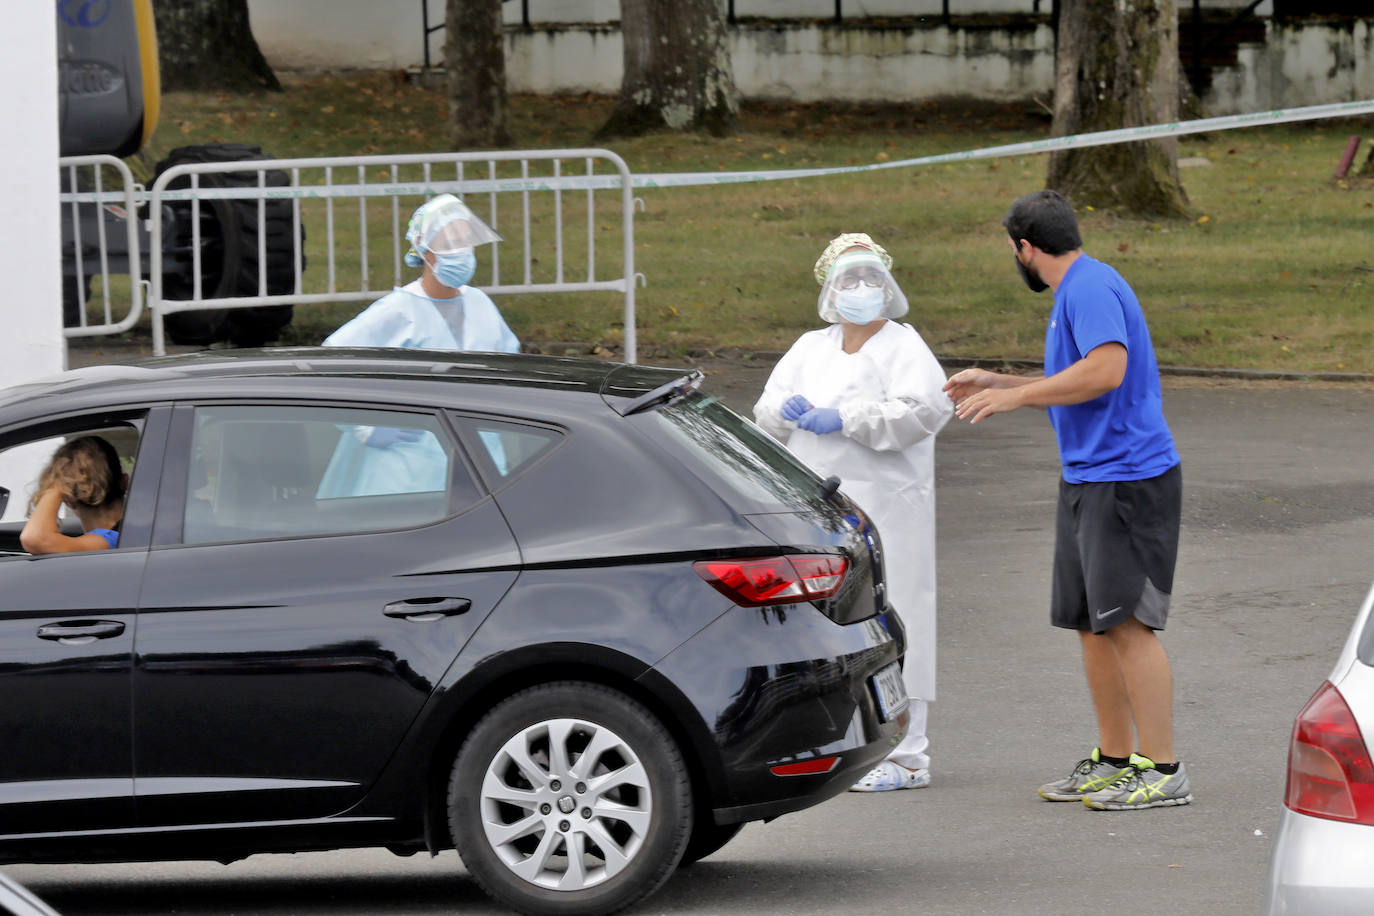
{"points": [[1014, 364]]}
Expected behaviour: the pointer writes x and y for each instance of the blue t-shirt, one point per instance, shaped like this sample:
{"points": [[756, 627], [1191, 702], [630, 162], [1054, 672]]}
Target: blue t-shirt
{"points": [[1122, 434], [109, 534]]}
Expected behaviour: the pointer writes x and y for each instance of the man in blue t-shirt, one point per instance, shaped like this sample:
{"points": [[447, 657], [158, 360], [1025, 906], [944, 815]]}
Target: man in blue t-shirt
{"points": [[1120, 499]]}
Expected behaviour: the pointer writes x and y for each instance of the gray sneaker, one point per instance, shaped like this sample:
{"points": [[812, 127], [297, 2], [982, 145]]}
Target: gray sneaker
{"points": [[1142, 787], [1088, 775]]}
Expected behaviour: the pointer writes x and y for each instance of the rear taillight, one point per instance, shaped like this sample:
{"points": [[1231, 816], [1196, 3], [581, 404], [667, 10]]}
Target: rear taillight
{"points": [[813, 767], [1330, 774], [760, 581]]}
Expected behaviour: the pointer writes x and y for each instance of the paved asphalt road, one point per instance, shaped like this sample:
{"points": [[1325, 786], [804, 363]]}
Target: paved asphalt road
{"points": [[1276, 556]]}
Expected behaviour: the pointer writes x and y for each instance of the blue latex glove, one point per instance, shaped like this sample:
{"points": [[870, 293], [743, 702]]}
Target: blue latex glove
{"points": [[794, 407], [821, 420], [382, 436]]}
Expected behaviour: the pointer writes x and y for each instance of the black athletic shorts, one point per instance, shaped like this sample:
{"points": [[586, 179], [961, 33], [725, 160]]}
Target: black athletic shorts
{"points": [[1114, 551]]}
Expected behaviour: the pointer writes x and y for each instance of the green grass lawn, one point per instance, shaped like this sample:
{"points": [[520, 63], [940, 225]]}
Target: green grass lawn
{"points": [[1275, 270]]}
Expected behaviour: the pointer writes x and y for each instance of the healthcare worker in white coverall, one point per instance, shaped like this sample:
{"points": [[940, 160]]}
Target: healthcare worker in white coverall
{"points": [[439, 311], [862, 400]]}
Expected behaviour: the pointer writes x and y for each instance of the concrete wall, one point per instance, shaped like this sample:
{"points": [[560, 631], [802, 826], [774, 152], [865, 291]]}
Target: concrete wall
{"points": [[804, 63], [1300, 64], [609, 10]]}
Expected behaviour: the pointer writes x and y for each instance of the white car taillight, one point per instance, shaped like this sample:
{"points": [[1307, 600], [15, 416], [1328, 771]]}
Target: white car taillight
{"points": [[1330, 773]]}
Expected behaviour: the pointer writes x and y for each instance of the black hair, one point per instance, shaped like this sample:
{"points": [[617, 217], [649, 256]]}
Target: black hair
{"points": [[1046, 220]]}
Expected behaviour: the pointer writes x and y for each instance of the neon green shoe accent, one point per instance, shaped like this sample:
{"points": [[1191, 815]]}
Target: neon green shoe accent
{"points": [[1142, 785], [1088, 775]]}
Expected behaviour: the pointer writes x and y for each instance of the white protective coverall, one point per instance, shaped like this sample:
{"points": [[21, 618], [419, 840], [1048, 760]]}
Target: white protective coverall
{"points": [[406, 317], [890, 399]]}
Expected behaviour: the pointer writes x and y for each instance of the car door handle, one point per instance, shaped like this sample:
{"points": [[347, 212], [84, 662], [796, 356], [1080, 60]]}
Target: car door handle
{"points": [[80, 634], [424, 610]]}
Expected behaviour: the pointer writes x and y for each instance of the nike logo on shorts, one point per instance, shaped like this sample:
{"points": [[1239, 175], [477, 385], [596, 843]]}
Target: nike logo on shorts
{"points": [[1103, 615]]}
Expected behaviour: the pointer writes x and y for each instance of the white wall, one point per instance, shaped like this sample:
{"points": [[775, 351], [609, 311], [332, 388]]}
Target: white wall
{"points": [[30, 239], [1300, 64], [898, 65], [344, 34]]}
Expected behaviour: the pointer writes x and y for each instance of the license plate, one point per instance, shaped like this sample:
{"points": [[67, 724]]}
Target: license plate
{"points": [[887, 684]]}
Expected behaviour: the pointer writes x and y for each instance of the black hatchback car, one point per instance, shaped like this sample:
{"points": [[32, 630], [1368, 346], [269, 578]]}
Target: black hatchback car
{"points": [[576, 619]]}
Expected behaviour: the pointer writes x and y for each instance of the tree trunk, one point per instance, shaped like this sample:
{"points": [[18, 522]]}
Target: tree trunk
{"points": [[475, 58], [678, 74], [209, 44], [1118, 67]]}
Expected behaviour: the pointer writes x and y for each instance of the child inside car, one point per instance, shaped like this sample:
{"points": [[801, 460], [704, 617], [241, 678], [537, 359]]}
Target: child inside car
{"points": [[85, 475]]}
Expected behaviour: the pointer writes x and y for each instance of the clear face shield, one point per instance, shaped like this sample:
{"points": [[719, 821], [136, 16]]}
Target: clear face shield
{"points": [[859, 289], [446, 226]]}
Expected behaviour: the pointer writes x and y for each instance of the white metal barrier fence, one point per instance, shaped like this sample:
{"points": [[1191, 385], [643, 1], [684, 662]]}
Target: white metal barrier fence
{"points": [[92, 219], [226, 235], [399, 184]]}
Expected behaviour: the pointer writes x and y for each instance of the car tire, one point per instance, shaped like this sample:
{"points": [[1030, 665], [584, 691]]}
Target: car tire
{"points": [[229, 252], [707, 839], [514, 822]]}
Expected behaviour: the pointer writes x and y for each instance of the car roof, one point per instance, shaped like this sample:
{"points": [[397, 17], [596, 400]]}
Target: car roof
{"points": [[196, 374]]}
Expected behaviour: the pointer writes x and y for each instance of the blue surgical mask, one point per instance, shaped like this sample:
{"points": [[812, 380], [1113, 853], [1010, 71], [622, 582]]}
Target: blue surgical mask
{"points": [[455, 269], [861, 305]]}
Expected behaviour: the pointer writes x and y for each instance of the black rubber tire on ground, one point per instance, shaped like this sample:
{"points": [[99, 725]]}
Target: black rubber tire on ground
{"points": [[71, 300], [707, 839], [229, 252], [638, 732]]}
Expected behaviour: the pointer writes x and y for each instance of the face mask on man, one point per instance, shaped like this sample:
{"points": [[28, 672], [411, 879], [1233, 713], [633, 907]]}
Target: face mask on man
{"points": [[455, 270], [1031, 278], [861, 305]]}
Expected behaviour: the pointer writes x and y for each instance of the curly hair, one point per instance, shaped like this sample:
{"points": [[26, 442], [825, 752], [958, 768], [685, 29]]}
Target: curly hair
{"points": [[87, 471]]}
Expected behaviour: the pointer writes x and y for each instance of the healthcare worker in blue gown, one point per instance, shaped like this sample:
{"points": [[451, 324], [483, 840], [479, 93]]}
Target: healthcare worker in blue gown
{"points": [[438, 311], [862, 399]]}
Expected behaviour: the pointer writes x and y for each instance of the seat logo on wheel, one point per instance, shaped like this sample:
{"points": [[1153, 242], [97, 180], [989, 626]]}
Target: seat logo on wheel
{"points": [[566, 804]]}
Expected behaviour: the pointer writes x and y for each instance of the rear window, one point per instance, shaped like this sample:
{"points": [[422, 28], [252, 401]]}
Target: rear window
{"points": [[1364, 649], [746, 463]]}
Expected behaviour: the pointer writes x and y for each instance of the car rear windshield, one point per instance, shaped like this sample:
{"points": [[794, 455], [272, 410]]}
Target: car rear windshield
{"points": [[1364, 649], [750, 466]]}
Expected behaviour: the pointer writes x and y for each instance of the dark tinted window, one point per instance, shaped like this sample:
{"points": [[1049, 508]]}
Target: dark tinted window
{"points": [[505, 449], [286, 471], [749, 464]]}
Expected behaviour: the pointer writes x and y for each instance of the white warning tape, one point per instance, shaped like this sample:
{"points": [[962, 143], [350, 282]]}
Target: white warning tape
{"points": [[1050, 145], [694, 179]]}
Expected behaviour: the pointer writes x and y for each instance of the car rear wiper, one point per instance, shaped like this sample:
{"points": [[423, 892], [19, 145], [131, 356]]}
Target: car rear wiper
{"points": [[664, 394]]}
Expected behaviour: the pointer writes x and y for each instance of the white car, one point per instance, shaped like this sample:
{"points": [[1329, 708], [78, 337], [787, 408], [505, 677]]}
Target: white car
{"points": [[1323, 858]]}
